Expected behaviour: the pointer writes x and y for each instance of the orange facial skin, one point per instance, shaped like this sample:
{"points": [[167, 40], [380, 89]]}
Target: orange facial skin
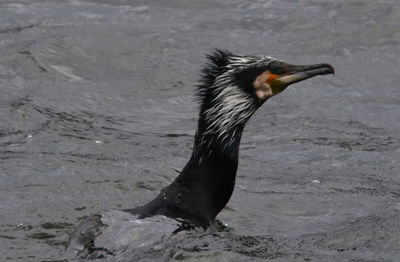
{"points": [[271, 77], [267, 85]]}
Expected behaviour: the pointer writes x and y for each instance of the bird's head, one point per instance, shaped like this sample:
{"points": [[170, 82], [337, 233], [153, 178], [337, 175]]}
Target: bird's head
{"points": [[234, 86], [260, 77]]}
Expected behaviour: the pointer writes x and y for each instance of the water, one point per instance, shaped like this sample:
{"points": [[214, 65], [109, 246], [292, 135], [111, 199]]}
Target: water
{"points": [[97, 111]]}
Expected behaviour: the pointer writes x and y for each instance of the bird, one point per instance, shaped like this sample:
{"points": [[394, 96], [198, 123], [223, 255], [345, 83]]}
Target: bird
{"points": [[231, 89]]}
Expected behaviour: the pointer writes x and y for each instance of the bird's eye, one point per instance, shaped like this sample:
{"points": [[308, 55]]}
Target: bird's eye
{"points": [[274, 69]]}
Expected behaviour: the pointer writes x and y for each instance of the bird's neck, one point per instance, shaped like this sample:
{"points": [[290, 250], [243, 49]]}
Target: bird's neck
{"points": [[207, 181], [209, 143]]}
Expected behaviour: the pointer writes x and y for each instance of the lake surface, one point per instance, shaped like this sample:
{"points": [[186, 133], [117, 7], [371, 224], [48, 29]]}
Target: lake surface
{"points": [[97, 112]]}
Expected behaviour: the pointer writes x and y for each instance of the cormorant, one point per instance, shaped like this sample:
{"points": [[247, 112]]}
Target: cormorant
{"points": [[231, 89]]}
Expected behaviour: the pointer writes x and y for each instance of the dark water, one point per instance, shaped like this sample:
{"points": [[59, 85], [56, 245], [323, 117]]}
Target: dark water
{"points": [[97, 111]]}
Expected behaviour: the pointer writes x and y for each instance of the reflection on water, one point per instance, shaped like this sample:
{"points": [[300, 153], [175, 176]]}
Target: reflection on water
{"points": [[97, 113]]}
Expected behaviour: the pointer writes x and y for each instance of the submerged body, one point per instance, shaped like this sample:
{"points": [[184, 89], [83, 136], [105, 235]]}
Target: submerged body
{"points": [[231, 90], [112, 232]]}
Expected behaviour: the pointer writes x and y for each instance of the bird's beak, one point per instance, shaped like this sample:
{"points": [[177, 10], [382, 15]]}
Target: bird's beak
{"points": [[300, 73], [295, 73]]}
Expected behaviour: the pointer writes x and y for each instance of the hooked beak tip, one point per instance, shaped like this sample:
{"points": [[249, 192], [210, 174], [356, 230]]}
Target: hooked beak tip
{"points": [[330, 68]]}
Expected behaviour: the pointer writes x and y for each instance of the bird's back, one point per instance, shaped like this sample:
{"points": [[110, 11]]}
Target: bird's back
{"points": [[113, 232]]}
